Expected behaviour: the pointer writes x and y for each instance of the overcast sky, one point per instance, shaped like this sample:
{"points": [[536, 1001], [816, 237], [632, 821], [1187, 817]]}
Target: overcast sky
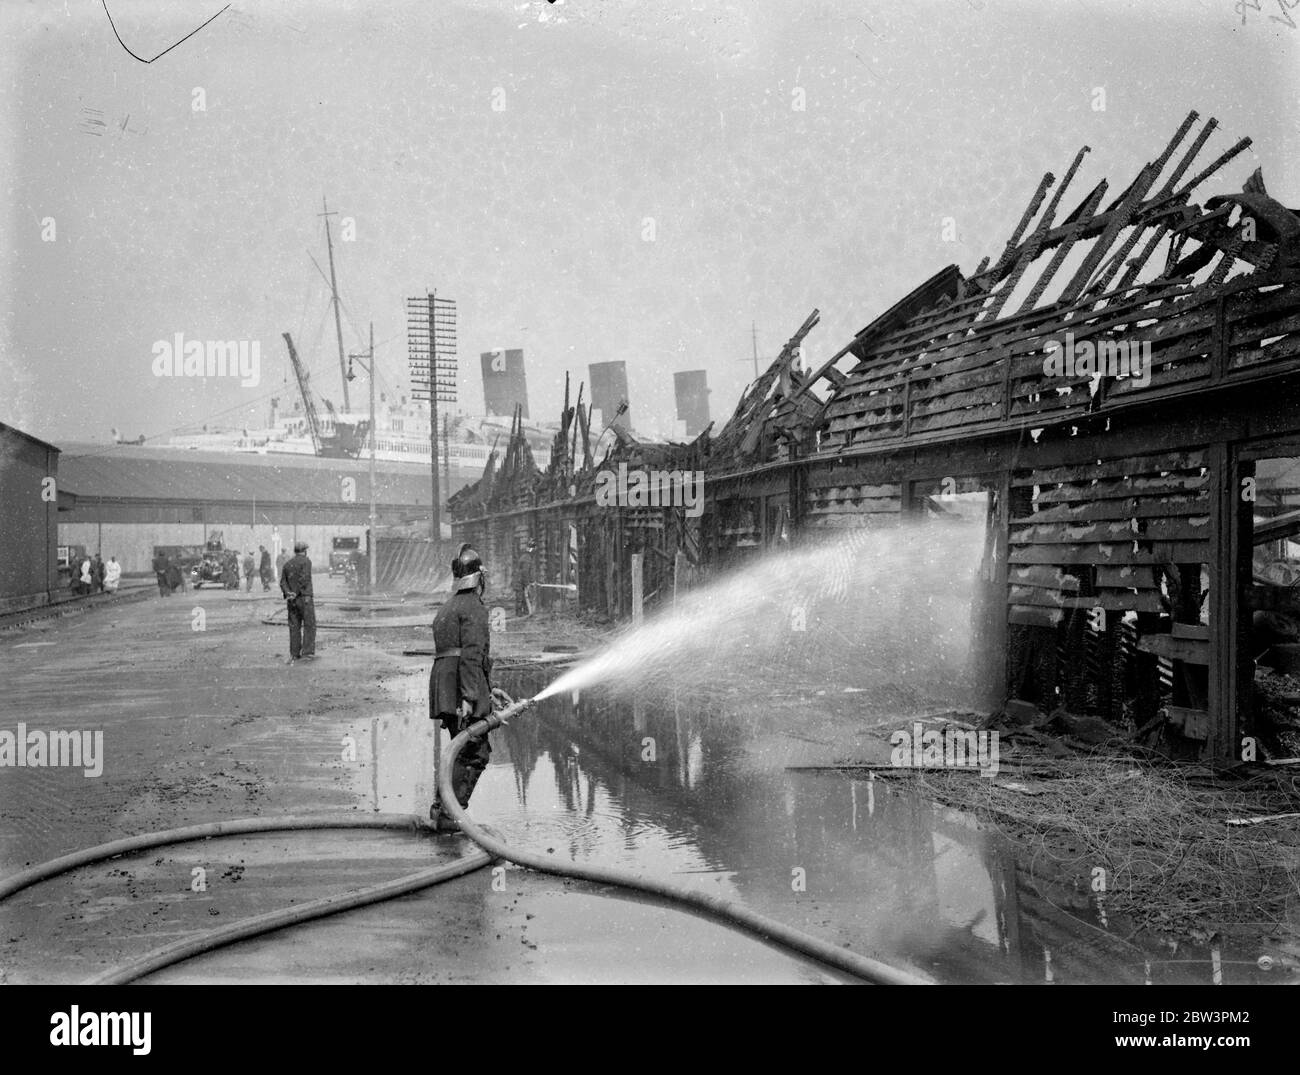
{"points": [[533, 214]]}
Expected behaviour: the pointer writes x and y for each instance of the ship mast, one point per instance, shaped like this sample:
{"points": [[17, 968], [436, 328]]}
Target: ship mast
{"points": [[338, 324]]}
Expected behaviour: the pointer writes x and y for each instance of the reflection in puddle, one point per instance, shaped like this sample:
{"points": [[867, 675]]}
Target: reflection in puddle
{"points": [[398, 749], [656, 787]]}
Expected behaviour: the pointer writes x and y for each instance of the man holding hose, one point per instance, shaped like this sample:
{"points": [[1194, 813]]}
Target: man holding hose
{"points": [[460, 690]]}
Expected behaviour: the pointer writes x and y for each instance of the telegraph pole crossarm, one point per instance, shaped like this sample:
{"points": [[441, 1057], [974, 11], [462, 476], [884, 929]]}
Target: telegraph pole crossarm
{"points": [[431, 346]]}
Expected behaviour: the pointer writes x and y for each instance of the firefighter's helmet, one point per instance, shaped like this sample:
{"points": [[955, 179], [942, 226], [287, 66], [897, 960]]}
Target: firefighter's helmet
{"points": [[466, 569]]}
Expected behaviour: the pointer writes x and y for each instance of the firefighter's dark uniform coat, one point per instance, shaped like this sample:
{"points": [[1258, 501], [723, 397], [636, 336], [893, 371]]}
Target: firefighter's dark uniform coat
{"points": [[462, 670]]}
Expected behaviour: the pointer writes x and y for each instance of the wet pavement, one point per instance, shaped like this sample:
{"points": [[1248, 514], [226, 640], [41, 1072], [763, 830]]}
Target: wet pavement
{"points": [[706, 789], [657, 786], [201, 726]]}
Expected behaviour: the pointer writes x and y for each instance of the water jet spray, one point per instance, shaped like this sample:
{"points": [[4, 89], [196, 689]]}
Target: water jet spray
{"points": [[729, 617]]}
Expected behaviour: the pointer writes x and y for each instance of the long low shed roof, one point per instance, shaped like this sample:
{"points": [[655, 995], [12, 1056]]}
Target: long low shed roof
{"points": [[133, 472]]}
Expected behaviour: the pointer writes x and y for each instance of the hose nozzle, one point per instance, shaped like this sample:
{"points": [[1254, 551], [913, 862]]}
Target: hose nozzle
{"points": [[502, 716]]}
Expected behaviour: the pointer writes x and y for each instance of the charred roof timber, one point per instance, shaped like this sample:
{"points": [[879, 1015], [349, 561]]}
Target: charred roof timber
{"points": [[1110, 411]]}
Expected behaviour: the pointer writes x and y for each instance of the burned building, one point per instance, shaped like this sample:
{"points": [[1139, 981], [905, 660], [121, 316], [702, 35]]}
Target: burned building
{"points": [[1115, 393]]}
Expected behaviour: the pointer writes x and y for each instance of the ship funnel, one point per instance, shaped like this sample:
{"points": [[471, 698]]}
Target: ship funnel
{"points": [[505, 386], [609, 392], [692, 390]]}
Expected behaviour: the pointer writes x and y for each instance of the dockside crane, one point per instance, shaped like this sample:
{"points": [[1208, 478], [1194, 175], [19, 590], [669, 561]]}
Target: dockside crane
{"points": [[300, 372], [347, 437]]}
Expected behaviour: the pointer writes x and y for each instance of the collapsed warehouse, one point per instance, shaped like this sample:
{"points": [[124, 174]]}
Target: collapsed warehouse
{"points": [[1124, 428]]}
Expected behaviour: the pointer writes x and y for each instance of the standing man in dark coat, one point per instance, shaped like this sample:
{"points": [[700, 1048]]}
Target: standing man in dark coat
{"points": [[160, 570], [264, 568], [295, 584], [97, 572], [460, 689], [230, 570]]}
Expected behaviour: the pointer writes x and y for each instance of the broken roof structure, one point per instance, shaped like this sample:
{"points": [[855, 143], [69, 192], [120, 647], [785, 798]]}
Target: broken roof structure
{"points": [[1108, 382]]}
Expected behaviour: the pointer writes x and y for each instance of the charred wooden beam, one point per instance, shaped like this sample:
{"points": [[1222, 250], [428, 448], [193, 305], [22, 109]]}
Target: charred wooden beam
{"points": [[1071, 233], [1116, 262], [1167, 199], [944, 282], [1280, 526], [1120, 218], [1034, 246], [1008, 254], [1218, 163]]}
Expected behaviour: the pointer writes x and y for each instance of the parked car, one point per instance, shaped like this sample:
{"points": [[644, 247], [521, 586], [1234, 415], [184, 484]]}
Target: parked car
{"points": [[213, 567], [341, 553]]}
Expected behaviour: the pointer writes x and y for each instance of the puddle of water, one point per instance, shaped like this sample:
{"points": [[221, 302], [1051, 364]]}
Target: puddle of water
{"points": [[396, 753], [655, 786]]}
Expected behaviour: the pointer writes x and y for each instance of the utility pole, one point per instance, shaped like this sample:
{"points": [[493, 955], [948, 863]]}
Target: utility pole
{"points": [[431, 338], [334, 292], [369, 366], [373, 551], [436, 516]]}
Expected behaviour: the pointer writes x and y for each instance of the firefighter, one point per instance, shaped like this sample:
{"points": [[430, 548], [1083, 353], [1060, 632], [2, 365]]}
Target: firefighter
{"points": [[460, 689], [523, 580], [295, 584]]}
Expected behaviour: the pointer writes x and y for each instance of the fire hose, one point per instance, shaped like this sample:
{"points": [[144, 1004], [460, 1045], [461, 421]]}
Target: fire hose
{"points": [[259, 924], [715, 907], [491, 847]]}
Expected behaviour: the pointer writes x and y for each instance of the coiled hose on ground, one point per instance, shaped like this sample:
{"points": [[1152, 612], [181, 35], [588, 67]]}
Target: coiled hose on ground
{"points": [[725, 911], [211, 940], [25, 879]]}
